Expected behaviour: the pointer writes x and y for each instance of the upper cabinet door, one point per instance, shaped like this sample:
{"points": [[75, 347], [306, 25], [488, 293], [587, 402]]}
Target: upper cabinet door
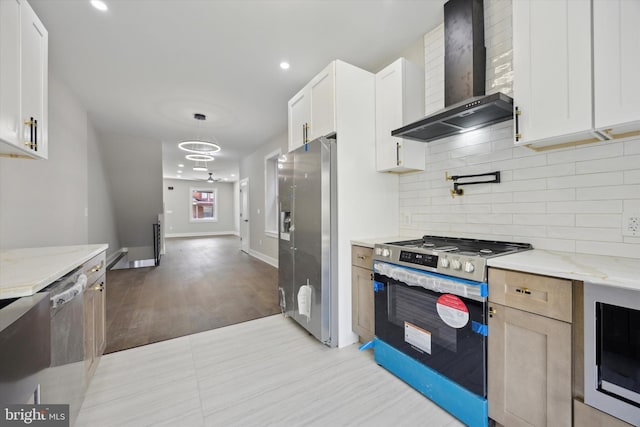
{"points": [[23, 82], [299, 116], [312, 111], [323, 111], [399, 101], [552, 70], [616, 35], [34, 79], [10, 123]]}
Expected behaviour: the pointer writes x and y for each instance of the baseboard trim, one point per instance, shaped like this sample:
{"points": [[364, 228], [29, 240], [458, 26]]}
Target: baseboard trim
{"points": [[262, 257], [200, 234], [113, 257]]}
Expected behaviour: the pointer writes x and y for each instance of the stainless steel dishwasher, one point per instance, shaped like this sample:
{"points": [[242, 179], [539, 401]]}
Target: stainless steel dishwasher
{"points": [[64, 380]]}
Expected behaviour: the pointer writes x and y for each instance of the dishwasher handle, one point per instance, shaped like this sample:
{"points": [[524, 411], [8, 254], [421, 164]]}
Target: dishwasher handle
{"points": [[61, 298]]}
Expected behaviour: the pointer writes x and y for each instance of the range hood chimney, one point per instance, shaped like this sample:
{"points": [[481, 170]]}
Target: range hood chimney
{"points": [[466, 105]]}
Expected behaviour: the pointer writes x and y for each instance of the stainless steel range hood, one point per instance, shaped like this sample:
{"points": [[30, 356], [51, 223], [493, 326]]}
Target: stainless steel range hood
{"points": [[466, 105]]}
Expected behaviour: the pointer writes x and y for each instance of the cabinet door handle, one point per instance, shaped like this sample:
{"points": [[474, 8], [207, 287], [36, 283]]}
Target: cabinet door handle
{"points": [[35, 135], [30, 124], [398, 162], [517, 116], [99, 287], [525, 291], [492, 311]]}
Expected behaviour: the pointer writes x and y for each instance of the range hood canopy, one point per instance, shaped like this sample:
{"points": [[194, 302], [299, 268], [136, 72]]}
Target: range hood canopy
{"points": [[466, 105]]}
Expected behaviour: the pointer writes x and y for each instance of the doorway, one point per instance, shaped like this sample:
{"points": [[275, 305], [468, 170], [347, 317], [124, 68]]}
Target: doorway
{"points": [[244, 215]]}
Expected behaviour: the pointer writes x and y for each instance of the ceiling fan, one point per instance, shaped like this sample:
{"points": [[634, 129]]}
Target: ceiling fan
{"points": [[211, 179]]}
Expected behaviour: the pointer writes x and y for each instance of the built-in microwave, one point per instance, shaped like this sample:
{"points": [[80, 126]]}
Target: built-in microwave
{"points": [[612, 350]]}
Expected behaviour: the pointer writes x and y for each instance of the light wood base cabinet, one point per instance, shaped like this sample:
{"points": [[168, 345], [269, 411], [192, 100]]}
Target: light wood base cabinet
{"points": [[362, 308], [529, 365], [94, 325], [529, 357]]}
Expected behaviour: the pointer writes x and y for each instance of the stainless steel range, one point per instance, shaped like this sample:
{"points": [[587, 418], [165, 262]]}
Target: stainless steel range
{"points": [[457, 257], [431, 318]]}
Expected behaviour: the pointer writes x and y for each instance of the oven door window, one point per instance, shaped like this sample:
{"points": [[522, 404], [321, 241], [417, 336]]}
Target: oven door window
{"points": [[618, 352], [408, 318]]}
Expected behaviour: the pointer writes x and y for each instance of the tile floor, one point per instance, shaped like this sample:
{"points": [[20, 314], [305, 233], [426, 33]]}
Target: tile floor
{"points": [[264, 372]]}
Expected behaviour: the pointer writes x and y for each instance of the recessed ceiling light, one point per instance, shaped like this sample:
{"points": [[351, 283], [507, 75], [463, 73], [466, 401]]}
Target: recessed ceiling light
{"points": [[100, 5], [233, 174], [180, 165], [284, 65], [179, 171]]}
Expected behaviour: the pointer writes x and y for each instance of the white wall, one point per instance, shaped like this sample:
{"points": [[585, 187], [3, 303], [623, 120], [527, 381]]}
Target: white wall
{"points": [[102, 220], [567, 199], [177, 204], [43, 202], [262, 245], [134, 168]]}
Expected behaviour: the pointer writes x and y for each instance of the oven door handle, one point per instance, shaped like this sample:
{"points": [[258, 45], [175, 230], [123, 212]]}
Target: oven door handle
{"points": [[432, 281]]}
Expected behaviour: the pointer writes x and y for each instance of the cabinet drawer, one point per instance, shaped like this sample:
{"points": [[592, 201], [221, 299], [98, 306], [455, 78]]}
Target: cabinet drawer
{"points": [[362, 257], [547, 296], [94, 268]]}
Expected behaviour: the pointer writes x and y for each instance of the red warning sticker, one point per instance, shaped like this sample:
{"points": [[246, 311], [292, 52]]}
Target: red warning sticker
{"points": [[452, 311]]}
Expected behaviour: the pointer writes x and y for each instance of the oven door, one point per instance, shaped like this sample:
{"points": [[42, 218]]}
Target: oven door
{"points": [[438, 320]]}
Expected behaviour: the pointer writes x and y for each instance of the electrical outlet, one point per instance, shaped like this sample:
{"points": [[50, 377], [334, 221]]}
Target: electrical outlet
{"points": [[631, 224]]}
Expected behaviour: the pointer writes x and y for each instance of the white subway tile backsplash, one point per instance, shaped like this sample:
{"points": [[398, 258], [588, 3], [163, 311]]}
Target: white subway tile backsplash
{"points": [[568, 199], [619, 192], [594, 180], [608, 248], [545, 195], [544, 219], [553, 244], [632, 176], [598, 151], [544, 171], [533, 207], [606, 165], [591, 233], [632, 147], [524, 185], [599, 220], [587, 206]]}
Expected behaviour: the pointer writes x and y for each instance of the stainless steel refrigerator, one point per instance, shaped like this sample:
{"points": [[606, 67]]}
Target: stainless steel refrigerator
{"points": [[307, 261]]}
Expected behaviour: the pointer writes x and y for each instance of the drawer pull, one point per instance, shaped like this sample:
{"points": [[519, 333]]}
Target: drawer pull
{"points": [[523, 291], [492, 311], [361, 257], [96, 268]]}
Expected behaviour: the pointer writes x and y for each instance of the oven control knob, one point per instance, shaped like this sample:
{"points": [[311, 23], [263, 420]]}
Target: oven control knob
{"points": [[386, 252], [378, 251], [444, 262], [468, 267], [455, 264]]}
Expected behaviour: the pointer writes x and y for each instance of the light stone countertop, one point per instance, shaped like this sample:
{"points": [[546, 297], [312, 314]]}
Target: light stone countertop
{"points": [[25, 271], [370, 242], [605, 270]]}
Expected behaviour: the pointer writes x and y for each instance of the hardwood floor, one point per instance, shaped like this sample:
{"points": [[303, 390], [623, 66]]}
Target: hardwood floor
{"points": [[201, 284], [267, 371]]}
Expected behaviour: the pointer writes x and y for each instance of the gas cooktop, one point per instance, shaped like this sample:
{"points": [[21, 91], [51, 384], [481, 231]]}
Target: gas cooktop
{"points": [[452, 256]]}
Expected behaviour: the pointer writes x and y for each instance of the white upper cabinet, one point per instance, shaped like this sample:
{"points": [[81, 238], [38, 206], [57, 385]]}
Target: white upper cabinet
{"points": [[616, 63], [399, 101], [552, 71], [312, 111], [23, 82]]}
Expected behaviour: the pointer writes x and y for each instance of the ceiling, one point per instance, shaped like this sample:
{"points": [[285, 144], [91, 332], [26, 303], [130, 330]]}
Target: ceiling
{"points": [[144, 67]]}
